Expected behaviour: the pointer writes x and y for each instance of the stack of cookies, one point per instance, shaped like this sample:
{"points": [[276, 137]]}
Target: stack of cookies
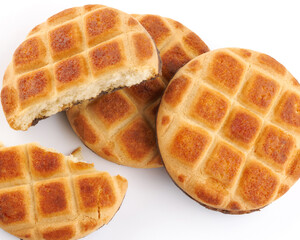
{"points": [[142, 91]]}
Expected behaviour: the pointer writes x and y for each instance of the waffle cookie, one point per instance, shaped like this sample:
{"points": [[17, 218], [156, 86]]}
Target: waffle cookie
{"points": [[46, 195], [75, 55], [120, 126], [228, 130]]}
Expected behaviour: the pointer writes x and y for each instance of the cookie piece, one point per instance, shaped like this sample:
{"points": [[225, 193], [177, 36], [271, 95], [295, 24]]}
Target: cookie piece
{"points": [[75, 55]]}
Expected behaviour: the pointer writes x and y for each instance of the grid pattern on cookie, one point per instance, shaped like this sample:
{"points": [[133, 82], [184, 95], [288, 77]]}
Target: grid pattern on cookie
{"points": [[127, 117], [233, 141], [43, 193], [71, 49]]}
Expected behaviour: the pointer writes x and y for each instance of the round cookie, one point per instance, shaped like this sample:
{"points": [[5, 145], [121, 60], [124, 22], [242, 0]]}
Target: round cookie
{"points": [[120, 126], [46, 195], [228, 130], [75, 55]]}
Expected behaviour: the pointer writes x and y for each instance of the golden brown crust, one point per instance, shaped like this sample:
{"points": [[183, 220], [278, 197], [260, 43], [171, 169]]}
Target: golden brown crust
{"points": [[112, 108], [210, 108], [71, 43], [45, 164], [226, 72], [100, 24], [257, 185], [156, 27], [137, 139], [287, 111], [34, 86], [12, 208], [30, 54], [260, 92], [12, 166], [275, 146], [44, 194], [70, 72], [247, 105], [223, 163], [113, 116], [143, 46], [52, 199], [242, 127], [189, 145]]}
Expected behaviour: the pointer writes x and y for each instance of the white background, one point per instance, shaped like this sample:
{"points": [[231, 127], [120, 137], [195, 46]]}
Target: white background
{"points": [[154, 208]]}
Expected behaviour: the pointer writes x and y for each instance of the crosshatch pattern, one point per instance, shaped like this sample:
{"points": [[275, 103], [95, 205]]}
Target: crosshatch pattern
{"points": [[120, 126], [228, 130], [46, 195], [71, 50]]}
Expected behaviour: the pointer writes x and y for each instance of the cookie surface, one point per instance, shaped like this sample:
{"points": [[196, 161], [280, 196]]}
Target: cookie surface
{"points": [[120, 126], [75, 55], [46, 195], [228, 130]]}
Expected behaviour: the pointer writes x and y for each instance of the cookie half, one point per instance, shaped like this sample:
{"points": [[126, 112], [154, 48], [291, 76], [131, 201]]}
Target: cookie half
{"points": [[75, 55]]}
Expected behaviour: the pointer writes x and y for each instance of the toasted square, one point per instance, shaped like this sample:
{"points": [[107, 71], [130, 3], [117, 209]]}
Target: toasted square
{"points": [[30, 54], [34, 87], [94, 192], [259, 92], [287, 112], [102, 25], [107, 57], [143, 47], [242, 127], [45, 164], [224, 163], [275, 146], [137, 140], [258, 184], [70, 72], [112, 108], [13, 167], [65, 40], [157, 27], [189, 144], [16, 209], [54, 199], [226, 72], [209, 107]]}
